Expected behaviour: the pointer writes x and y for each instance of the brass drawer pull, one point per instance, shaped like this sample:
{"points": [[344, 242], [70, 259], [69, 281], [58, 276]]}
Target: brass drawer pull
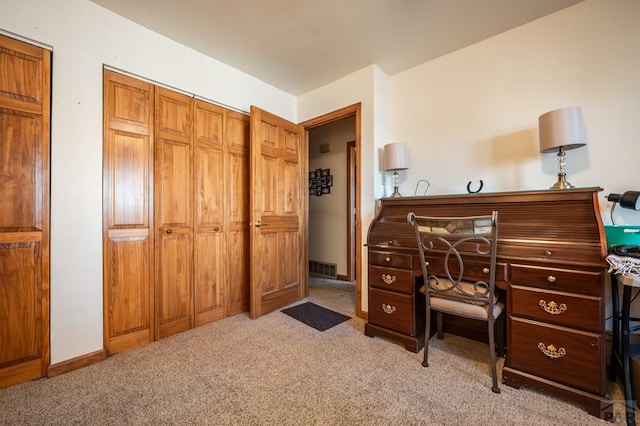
{"points": [[552, 307], [551, 351], [388, 309], [388, 279], [548, 253], [551, 279], [485, 270], [387, 259]]}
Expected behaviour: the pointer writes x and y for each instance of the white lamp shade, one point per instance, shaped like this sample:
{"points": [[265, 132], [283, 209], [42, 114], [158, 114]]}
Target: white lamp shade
{"points": [[562, 127], [396, 156]]}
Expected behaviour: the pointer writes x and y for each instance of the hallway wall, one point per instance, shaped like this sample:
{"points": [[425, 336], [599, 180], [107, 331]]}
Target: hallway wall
{"points": [[328, 213]]}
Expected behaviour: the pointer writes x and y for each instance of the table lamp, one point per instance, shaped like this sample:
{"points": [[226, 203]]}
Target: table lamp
{"points": [[395, 158], [627, 200], [561, 130]]}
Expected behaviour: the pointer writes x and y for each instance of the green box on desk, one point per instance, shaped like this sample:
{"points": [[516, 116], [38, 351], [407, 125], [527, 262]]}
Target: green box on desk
{"points": [[622, 235]]}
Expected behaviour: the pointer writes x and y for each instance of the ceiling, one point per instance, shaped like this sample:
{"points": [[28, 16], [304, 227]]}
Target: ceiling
{"points": [[300, 45]]}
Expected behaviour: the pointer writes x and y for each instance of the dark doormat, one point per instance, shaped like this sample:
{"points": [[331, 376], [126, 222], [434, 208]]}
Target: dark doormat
{"points": [[315, 316]]}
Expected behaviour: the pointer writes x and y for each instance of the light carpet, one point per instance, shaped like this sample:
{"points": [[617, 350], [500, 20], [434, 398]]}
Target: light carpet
{"points": [[275, 371]]}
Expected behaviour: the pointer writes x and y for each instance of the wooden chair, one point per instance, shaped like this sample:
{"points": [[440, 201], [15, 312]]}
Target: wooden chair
{"points": [[458, 257]]}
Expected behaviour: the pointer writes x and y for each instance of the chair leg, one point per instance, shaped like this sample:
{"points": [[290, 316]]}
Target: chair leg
{"points": [[440, 316], [427, 337], [492, 350]]}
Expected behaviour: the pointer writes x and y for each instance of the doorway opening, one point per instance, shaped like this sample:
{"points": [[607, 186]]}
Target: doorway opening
{"points": [[334, 213]]}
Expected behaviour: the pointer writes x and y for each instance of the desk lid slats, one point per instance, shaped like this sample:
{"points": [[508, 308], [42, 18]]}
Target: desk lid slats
{"points": [[567, 220]]}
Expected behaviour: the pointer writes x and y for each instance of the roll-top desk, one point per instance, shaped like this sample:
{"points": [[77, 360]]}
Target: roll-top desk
{"points": [[551, 251]]}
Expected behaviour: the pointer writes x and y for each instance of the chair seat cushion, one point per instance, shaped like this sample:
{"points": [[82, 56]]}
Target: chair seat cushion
{"points": [[465, 309], [446, 302]]}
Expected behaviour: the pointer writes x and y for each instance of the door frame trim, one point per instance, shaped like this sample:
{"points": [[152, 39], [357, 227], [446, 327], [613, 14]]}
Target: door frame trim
{"points": [[354, 110], [352, 188]]}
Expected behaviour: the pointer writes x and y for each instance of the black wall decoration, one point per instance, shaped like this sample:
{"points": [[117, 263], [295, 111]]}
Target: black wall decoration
{"points": [[320, 182]]}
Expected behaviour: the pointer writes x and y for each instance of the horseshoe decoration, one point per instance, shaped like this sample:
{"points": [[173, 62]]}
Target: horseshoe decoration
{"points": [[477, 190]]}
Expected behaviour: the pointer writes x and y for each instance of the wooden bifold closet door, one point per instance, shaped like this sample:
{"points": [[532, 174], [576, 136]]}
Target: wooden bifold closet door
{"points": [[128, 293], [185, 199], [237, 212], [208, 220], [173, 213], [25, 73]]}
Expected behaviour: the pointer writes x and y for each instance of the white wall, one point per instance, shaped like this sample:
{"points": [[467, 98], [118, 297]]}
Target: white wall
{"points": [[85, 36], [473, 114]]}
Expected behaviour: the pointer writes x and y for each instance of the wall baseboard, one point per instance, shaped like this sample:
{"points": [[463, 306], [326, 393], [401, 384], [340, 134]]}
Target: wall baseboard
{"points": [[76, 363]]}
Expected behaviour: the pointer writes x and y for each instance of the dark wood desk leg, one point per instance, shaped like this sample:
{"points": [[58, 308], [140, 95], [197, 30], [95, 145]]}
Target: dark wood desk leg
{"points": [[615, 341], [628, 392]]}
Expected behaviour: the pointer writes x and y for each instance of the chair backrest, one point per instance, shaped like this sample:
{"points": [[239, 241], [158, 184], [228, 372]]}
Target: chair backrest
{"points": [[458, 256]]}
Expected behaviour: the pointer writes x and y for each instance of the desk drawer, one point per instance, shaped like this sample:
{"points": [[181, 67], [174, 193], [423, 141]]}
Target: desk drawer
{"points": [[391, 279], [556, 307], [390, 259], [557, 279], [404, 240], [474, 269], [573, 357], [391, 310], [586, 254]]}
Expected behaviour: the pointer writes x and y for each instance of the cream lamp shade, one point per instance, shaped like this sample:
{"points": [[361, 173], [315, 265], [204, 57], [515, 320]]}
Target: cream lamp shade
{"points": [[396, 158], [562, 127]]}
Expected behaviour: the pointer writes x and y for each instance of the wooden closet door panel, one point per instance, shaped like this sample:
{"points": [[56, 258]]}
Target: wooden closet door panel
{"points": [[127, 192], [128, 104], [174, 313], [130, 202], [128, 304], [20, 133], [237, 217], [210, 188], [20, 304], [208, 277], [25, 82], [173, 213], [172, 184], [210, 233], [24, 211], [237, 300]]}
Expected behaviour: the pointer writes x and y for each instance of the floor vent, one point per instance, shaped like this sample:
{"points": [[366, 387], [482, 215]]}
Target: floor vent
{"points": [[323, 269]]}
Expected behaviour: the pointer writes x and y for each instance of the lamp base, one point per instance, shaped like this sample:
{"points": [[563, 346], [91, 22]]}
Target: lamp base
{"points": [[562, 182], [396, 193]]}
